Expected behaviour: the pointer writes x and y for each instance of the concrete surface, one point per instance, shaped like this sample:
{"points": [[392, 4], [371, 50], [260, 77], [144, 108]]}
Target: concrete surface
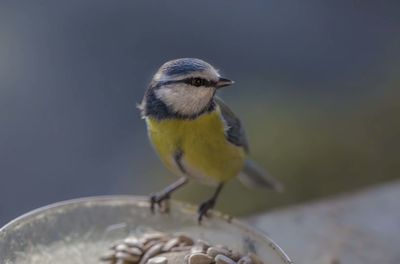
{"points": [[360, 228]]}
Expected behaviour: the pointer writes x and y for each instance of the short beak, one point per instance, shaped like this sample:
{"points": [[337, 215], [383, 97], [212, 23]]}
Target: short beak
{"points": [[222, 82]]}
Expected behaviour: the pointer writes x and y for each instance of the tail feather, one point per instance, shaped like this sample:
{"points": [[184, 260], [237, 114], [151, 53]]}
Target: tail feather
{"points": [[254, 176]]}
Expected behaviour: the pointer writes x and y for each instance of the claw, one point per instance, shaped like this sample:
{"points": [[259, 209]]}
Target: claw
{"points": [[159, 200], [204, 208], [162, 198], [153, 201], [209, 204]]}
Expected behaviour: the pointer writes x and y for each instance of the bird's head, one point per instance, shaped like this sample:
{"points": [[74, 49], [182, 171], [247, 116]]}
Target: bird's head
{"points": [[187, 86]]}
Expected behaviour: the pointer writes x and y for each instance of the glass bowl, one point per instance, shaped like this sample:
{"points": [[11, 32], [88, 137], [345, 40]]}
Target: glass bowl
{"points": [[80, 230]]}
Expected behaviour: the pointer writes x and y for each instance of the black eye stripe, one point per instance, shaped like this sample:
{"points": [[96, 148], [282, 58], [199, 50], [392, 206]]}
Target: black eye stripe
{"points": [[196, 81], [204, 82]]}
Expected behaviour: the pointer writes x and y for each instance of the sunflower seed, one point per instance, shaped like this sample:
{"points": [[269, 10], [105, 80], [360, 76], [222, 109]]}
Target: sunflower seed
{"points": [[121, 247], [185, 239], [222, 259], [151, 252], [154, 236], [134, 251], [127, 257], [200, 258], [149, 244], [157, 260], [214, 251], [173, 242], [133, 242], [180, 248]]}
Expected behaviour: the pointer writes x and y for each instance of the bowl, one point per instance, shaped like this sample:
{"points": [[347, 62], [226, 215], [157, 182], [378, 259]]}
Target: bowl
{"points": [[80, 230]]}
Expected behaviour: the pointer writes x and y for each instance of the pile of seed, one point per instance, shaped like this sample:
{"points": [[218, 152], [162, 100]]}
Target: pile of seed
{"points": [[161, 248]]}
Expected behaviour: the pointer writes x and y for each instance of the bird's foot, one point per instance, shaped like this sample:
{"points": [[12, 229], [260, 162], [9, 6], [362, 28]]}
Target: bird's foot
{"points": [[204, 208], [161, 201]]}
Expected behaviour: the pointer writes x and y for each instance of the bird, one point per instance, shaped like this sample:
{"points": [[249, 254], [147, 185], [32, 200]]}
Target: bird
{"points": [[196, 135]]}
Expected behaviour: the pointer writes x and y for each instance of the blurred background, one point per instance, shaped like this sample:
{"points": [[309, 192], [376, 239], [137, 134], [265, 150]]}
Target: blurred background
{"points": [[317, 88]]}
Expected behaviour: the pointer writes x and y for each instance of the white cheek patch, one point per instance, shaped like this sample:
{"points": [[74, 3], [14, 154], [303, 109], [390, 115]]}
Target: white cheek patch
{"points": [[185, 99]]}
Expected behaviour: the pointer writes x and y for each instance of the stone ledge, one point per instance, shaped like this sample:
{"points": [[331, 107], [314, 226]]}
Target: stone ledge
{"points": [[358, 228]]}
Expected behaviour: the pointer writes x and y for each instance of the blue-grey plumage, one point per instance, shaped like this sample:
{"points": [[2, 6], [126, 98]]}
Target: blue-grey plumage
{"points": [[252, 175], [195, 133]]}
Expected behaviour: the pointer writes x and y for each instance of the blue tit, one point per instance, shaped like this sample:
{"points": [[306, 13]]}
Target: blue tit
{"points": [[196, 135]]}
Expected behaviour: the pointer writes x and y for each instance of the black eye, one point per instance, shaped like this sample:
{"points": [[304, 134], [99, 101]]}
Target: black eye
{"points": [[197, 82]]}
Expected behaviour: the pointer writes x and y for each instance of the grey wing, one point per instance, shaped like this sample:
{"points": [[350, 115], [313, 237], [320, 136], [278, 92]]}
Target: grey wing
{"points": [[252, 175], [235, 133]]}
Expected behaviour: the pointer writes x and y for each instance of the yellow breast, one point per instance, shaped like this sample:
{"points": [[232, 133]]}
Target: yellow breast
{"points": [[206, 151]]}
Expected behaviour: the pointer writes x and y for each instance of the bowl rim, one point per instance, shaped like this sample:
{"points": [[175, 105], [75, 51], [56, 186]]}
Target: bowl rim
{"points": [[143, 201]]}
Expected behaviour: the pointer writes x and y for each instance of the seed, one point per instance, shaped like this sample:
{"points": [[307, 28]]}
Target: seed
{"points": [[214, 251], [154, 250], [180, 248], [154, 236], [222, 259], [174, 257], [157, 260], [127, 257], [121, 247], [134, 251], [200, 258], [133, 242], [173, 242], [185, 239], [149, 244], [130, 250]]}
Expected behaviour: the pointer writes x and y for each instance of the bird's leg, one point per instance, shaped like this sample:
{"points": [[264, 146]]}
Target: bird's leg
{"points": [[165, 194], [209, 204]]}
